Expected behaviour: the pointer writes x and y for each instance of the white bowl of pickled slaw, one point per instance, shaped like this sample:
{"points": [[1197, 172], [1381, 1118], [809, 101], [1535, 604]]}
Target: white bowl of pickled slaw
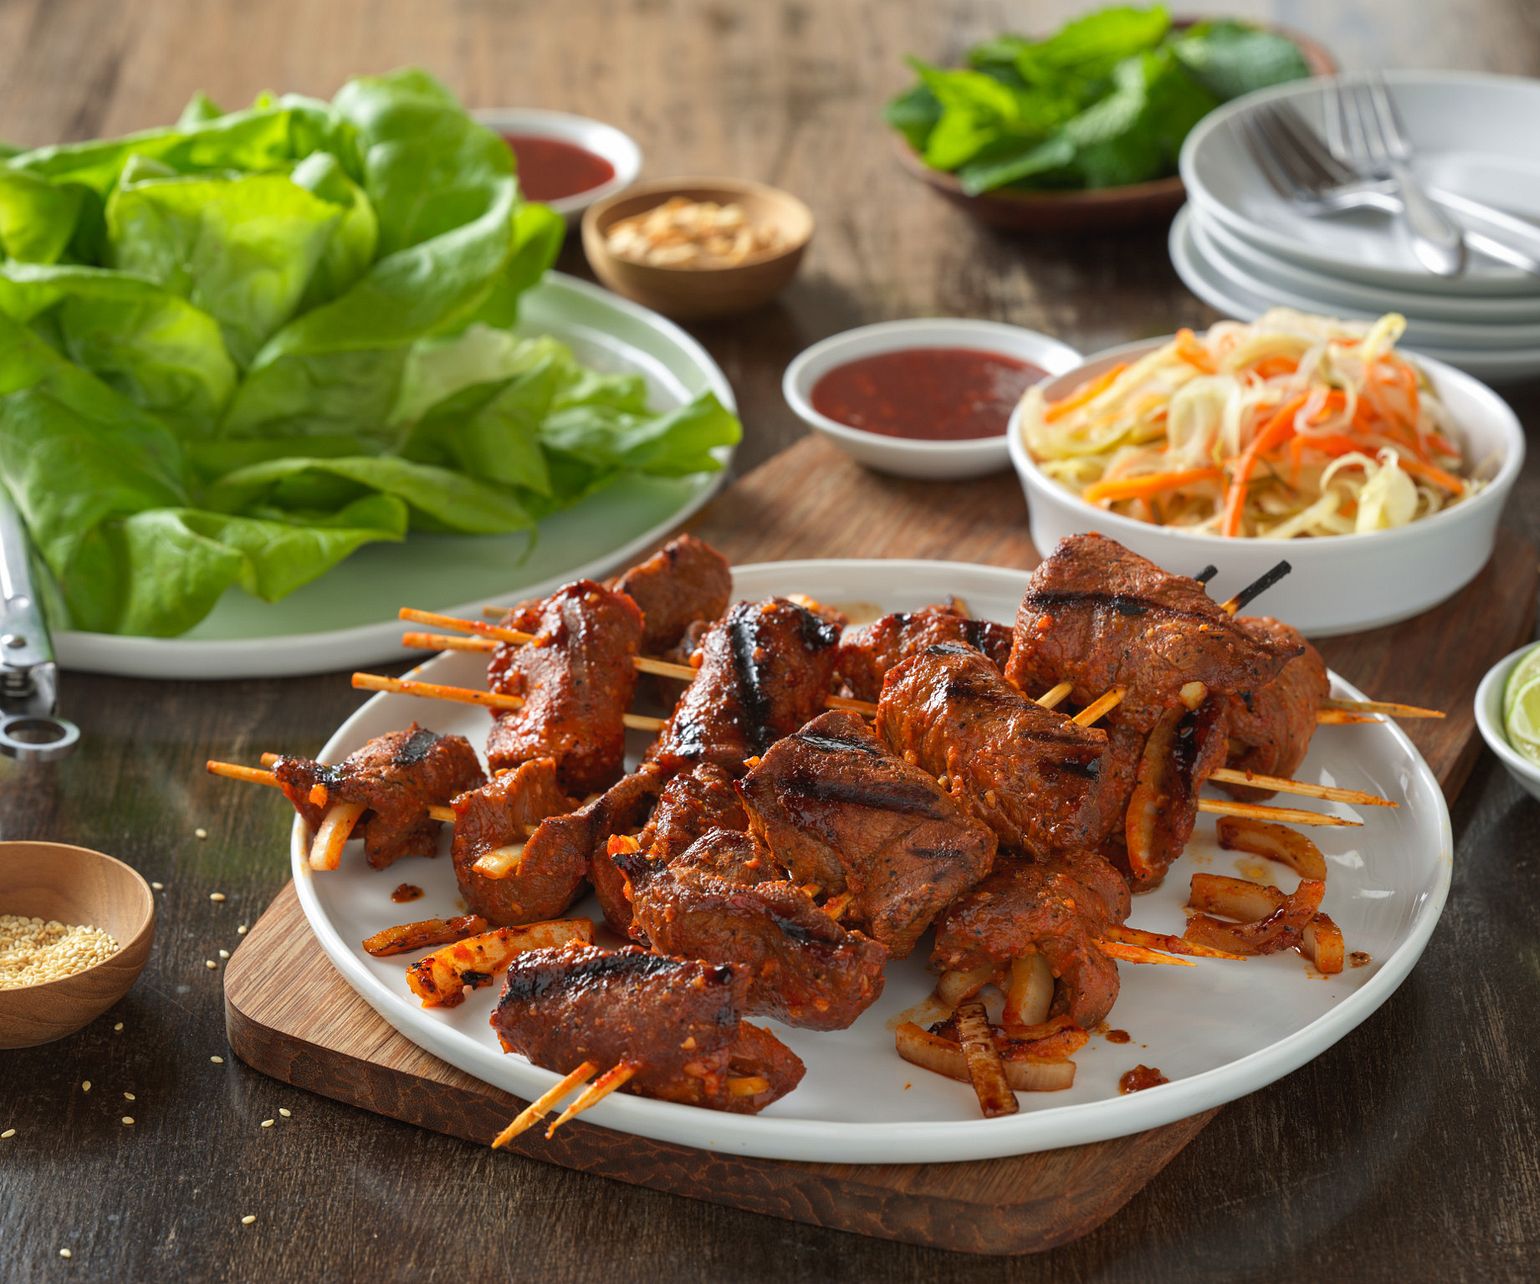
{"points": [[1378, 475]]}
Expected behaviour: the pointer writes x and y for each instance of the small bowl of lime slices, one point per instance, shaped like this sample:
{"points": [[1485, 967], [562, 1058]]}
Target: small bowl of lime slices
{"points": [[1508, 714]]}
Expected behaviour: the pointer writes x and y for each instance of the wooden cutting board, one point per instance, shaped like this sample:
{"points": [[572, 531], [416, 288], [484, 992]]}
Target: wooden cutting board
{"points": [[812, 502]]}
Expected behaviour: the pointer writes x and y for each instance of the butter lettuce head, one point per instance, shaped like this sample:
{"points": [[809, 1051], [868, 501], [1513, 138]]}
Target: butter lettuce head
{"points": [[235, 349]]}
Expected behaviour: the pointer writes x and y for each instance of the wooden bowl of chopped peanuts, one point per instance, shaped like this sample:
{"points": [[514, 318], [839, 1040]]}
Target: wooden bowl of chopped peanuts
{"points": [[75, 931], [692, 248]]}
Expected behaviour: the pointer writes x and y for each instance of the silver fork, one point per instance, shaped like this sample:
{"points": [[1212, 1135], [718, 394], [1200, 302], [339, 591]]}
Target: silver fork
{"points": [[1364, 132], [1302, 170]]}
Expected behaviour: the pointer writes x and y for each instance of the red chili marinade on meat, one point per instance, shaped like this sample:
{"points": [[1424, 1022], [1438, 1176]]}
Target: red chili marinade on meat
{"points": [[551, 168], [1141, 1077], [937, 394]]}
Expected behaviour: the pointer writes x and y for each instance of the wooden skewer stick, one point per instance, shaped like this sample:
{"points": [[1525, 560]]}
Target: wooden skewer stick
{"points": [[1206, 574], [1104, 703], [255, 776], [618, 1074], [472, 695], [1139, 954], [1388, 707], [542, 1105], [447, 642], [1055, 696], [1341, 717], [1279, 784], [1279, 815], [1256, 588]]}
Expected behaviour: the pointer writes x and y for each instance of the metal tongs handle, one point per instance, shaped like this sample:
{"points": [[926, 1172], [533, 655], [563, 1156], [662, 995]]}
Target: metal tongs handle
{"points": [[29, 678]]}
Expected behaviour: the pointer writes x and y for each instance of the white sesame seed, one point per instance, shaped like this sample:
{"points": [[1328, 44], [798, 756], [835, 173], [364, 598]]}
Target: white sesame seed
{"points": [[128, 1096], [118, 1029], [159, 887], [210, 964], [224, 954], [128, 1121], [285, 1112], [216, 897], [85, 1085], [248, 1219], [218, 1061], [241, 930], [201, 832], [64, 1252], [7, 1134], [267, 1123]]}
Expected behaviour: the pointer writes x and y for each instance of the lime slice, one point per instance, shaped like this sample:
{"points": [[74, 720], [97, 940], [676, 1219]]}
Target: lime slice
{"points": [[1522, 721], [1526, 671]]}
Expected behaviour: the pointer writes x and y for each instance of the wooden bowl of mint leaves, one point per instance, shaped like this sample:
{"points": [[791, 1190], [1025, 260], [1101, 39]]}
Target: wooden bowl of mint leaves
{"points": [[1082, 129]]}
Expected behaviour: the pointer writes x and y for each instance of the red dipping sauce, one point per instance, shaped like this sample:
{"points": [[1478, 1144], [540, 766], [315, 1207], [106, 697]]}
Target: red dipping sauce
{"points": [[1140, 1078], [551, 168], [926, 394]]}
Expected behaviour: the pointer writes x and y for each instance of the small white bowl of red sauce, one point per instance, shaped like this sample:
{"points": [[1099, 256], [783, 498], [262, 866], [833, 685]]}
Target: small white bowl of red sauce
{"points": [[929, 398], [567, 162]]}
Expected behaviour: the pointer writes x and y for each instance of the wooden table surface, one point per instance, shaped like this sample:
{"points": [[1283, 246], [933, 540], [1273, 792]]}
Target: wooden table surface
{"points": [[1411, 1150]]}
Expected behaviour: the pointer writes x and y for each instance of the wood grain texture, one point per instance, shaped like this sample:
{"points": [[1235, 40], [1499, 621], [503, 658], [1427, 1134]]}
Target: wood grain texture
{"points": [[325, 1038], [1408, 1152]]}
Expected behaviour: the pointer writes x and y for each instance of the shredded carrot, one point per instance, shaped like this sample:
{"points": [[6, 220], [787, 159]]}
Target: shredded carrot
{"points": [[1272, 367], [1193, 352], [1434, 474], [1146, 485], [1085, 393], [1273, 433]]}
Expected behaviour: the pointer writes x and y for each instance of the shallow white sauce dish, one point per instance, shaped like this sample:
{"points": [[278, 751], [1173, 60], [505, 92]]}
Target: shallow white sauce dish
{"points": [[1217, 1031], [905, 457], [614, 145], [1489, 720], [1340, 583]]}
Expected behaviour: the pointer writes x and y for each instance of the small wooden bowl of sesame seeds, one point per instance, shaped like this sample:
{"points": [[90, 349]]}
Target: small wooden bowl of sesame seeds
{"points": [[693, 248], [75, 931]]}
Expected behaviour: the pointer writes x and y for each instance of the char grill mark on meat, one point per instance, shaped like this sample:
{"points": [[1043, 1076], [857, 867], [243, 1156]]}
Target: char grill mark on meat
{"points": [[1270, 731], [766, 668], [679, 1019], [842, 812], [1027, 772], [716, 902], [684, 581], [1058, 909], [867, 652], [397, 776], [1099, 616], [577, 680]]}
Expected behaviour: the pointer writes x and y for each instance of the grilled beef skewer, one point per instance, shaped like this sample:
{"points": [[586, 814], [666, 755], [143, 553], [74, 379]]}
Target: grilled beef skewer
{"points": [[842, 812], [868, 651], [684, 582], [576, 679], [1270, 728], [391, 781], [1102, 617], [678, 1021], [723, 900]]}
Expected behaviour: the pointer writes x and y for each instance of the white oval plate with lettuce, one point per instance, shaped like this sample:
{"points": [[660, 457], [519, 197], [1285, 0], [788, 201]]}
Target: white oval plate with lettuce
{"points": [[267, 375]]}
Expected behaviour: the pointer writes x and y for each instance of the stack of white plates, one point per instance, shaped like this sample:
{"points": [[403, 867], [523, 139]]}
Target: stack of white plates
{"points": [[1243, 249]]}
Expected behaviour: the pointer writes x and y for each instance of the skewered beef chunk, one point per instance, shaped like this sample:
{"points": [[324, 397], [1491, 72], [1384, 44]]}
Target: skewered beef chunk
{"points": [[766, 668], [842, 812], [803, 967], [1270, 731], [397, 776], [1058, 909], [684, 581], [1027, 772], [620, 810], [692, 803], [867, 652], [577, 679], [1100, 616], [678, 1019]]}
